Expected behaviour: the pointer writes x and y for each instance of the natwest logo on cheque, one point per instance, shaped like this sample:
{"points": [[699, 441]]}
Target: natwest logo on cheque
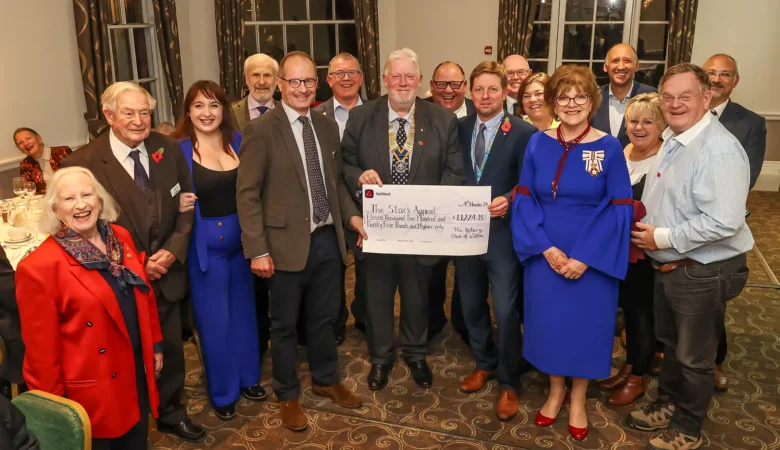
{"points": [[370, 193]]}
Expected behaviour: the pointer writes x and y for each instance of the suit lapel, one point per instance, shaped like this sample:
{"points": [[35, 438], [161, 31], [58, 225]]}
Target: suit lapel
{"points": [[381, 121], [327, 155], [94, 282], [465, 144], [632, 94], [285, 129], [729, 117], [420, 124], [493, 155], [157, 174]]}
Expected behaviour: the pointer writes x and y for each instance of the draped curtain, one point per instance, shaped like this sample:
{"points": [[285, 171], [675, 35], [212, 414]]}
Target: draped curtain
{"points": [[367, 27], [515, 26], [230, 47], [92, 17], [682, 24], [167, 29]]}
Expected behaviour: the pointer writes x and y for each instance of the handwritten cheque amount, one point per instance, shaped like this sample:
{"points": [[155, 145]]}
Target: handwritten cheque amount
{"points": [[426, 220]]}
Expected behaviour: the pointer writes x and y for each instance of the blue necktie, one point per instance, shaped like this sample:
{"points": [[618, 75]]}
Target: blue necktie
{"points": [[262, 109], [139, 173]]}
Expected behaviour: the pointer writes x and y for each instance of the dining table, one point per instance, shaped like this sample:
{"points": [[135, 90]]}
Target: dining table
{"points": [[16, 251]]}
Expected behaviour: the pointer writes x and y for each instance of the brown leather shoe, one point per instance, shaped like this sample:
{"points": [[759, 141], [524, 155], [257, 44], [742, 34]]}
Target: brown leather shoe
{"points": [[475, 381], [721, 380], [618, 379], [508, 405], [338, 394], [635, 386], [658, 361], [293, 416]]}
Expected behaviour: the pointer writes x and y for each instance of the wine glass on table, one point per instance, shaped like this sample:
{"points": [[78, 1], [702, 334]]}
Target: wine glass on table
{"points": [[29, 188], [18, 186]]}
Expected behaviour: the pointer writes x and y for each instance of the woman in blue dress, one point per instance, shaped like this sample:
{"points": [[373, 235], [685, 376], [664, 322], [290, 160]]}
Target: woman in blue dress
{"points": [[571, 222], [221, 286]]}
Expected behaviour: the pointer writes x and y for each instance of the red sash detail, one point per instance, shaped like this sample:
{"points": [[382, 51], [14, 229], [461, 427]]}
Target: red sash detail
{"points": [[522, 190]]}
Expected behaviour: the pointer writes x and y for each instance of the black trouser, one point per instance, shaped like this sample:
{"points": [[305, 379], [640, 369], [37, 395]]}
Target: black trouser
{"points": [[437, 295], [385, 274], [358, 307], [720, 357], [636, 299], [170, 384], [690, 306], [261, 307], [136, 437], [316, 287]]}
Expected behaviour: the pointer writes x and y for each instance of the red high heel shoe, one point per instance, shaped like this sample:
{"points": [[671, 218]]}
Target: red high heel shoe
{"points": [[544, 421], [578, 434]]}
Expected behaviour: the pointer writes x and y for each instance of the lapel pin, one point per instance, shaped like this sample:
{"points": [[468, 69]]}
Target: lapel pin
{"points": [[421, 143], [333, 155], [129, 255]]}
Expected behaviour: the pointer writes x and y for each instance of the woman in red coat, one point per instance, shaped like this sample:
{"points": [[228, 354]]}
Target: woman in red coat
{"points": [[89, 319]]}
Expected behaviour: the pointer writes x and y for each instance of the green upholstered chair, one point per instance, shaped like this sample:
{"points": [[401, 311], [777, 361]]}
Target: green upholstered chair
{"points": [[57, 423]]}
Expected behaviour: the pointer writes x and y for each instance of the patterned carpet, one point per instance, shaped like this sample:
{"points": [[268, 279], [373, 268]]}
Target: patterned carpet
{"points": [[403, 416]]}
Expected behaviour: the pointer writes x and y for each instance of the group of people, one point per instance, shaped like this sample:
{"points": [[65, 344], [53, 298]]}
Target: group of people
{"points": [[601, 196]]}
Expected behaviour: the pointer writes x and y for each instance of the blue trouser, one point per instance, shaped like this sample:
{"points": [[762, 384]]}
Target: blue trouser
{"points": [[223, 301], [474, 273]]}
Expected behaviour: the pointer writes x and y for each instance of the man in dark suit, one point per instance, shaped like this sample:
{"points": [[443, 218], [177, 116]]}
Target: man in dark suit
{"points": [[346, 79], [750, 130], [517, 70], [10, 328], [145, 172], [493, 145], [292, 205], [427, 134], [448, 89], [621, 64]]}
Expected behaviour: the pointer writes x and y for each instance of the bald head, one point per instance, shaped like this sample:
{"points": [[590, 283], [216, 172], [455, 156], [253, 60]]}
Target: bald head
{"points": [[446, 77], [621, 64], [724, 76], [517, 70]]}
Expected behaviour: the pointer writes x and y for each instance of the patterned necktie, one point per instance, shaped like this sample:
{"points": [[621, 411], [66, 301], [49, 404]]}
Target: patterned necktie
{"points": [[400, 137], [262, 109], [479, 148], [319, 198], [139, 173], [400, 168]]}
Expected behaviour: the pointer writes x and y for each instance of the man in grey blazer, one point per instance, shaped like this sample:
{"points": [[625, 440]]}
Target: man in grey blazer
{"points": [[621, 64], [346, 79], [428, 135], [750, 130], [260, 74]]}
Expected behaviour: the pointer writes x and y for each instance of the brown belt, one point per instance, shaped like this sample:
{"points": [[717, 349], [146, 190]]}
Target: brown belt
{"points": [[670, 266]]}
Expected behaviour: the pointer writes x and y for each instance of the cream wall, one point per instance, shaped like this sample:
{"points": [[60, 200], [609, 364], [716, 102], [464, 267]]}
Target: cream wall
{"points": [[198, 40], [439, 30], [40, 84]]}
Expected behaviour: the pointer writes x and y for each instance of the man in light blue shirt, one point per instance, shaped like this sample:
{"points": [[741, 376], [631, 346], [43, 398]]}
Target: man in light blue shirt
{"points": [[696, 235]]}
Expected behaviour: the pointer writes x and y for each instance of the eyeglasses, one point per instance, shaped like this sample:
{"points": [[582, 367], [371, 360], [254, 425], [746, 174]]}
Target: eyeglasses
{"points": [[722, 74], [578, 100], [685, 98], [517, 73], [296, 82], [442, 85], [341, 74]]}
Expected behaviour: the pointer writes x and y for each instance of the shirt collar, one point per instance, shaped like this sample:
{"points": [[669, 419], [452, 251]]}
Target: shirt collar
{"points": [[461, 111], [119, 147], [254, 104], [719, 109], [628, 96], [293, 115], [691, 133], [46, 153], [492, 123], [393, 116], [337, 104]]}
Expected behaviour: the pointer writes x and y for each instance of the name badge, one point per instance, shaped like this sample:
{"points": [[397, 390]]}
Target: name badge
{"points": [[175, 190]]}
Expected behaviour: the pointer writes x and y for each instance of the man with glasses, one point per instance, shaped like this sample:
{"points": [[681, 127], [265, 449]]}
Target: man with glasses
{"points": [[448, 89], [400, 139], [696, 238], [517, 70], [345, 79], [292, 205], [260, 75], [621, 64], [750, 129]]}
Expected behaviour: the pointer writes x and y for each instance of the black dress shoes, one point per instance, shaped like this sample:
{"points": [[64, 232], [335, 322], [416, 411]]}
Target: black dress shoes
{"points": [[227, 412], [187, 430], [377, 377], [421, 373], [340, 331], [255, 393]]}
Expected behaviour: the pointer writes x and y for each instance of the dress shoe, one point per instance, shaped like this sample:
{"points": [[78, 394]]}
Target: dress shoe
{"points": [[360, 326], [340, 332], [633, 388], [475, 381], [255, 393], [421, 373], [293, 416], [618, 379], [227, 412], [508, 405], [339, 394], [187, 430], [377, 377], [721, 380], [658, 361], [544, 421], [578, 434]]}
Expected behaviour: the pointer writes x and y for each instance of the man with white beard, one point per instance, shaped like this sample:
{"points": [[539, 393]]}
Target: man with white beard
{"points": [[399, 139]]}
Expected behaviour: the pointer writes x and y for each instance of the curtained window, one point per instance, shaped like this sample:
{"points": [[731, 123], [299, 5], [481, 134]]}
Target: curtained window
{"points": [[321, 28], [133, 50]]}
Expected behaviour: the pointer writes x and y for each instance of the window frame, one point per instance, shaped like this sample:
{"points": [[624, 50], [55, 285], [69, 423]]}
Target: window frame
{"points": [[164, 111]]}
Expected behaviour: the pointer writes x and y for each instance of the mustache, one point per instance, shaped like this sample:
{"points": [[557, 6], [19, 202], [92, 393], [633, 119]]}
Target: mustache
{"points": [[718, 85]]}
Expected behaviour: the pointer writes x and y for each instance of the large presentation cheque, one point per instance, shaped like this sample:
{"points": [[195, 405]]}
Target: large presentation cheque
{"points": [[426, 220]]}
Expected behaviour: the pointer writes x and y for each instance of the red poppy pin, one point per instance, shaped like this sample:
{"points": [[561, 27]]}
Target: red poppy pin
{"points": [[158, 155], [421, 143], [506, 125]]}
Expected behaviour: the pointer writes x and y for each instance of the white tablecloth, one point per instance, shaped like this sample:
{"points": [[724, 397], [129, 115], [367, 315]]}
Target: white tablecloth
{"points": [[16, 252]]}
